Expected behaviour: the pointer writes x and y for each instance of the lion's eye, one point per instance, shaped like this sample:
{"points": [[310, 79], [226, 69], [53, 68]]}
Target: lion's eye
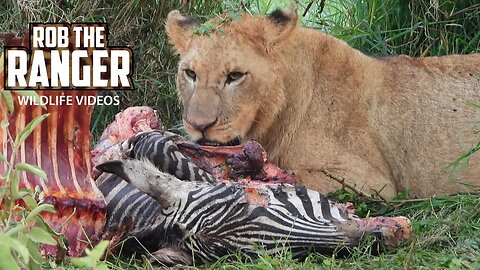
{"points": [[191, 74], [234, 76]]}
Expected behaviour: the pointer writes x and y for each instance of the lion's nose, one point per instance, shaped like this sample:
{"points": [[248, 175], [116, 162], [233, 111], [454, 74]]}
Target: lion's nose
{"points": [[201, 126]]}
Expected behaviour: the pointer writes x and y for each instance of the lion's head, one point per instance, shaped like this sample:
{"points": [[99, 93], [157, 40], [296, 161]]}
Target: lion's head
{"points": [[229, 79]]}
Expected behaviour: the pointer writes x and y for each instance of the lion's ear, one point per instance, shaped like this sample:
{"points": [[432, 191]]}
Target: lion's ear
{"points": [[180, 30], [282, 21]]}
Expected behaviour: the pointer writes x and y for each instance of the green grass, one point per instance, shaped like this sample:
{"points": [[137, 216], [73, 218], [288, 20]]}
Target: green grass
{"points": [[446, 230], [446, 236], [416, 28]]}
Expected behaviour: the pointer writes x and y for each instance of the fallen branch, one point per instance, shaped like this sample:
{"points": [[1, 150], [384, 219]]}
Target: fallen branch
{"points": [[393, 203], [399, 203], [345, 184]]}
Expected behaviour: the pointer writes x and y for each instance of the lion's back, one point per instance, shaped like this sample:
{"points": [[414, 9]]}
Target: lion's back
{"points": [[428, 119]]}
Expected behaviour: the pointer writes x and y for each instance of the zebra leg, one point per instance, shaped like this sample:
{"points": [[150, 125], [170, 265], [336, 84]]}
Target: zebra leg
{"points": [[143, 175]]}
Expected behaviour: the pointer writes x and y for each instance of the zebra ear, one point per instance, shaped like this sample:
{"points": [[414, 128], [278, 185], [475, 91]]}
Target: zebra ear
{"points": [[114, 167]]}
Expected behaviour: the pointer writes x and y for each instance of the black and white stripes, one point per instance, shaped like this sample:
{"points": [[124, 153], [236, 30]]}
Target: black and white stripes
{"points": [[160, 148], [190, 217]]}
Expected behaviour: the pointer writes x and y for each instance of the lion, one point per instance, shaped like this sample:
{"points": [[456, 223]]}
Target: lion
{"points": [[326, 112]]}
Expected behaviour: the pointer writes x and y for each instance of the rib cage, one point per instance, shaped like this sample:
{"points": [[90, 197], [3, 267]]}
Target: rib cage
{"points": [[62, 151], [60, 145]]}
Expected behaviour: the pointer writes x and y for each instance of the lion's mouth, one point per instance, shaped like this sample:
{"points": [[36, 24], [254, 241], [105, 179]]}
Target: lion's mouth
{"points": [[207, 142]]}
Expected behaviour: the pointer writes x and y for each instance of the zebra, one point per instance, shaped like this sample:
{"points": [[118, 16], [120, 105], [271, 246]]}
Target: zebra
{"points": [[130, 207], [186, 216]]}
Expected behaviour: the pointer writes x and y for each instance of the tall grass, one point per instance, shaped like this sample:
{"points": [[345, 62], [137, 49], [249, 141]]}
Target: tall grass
{"points": [[391, 27], [138, 24], [416, 28]]}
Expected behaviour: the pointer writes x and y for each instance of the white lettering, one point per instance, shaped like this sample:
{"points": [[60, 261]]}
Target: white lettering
{"points": [[38, 71], [119, 72], [16, 74], [50, 37], [60, 67], [78, 32], [99, 36], [38, 37], [76, 81], [98, 68], [62, 37]]}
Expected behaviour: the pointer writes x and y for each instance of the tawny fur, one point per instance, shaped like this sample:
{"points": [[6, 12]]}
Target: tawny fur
{"points": [[315, 103]]}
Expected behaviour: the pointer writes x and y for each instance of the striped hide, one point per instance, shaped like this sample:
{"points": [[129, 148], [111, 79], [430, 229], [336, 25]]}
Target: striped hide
{"points": [[184, 215]]}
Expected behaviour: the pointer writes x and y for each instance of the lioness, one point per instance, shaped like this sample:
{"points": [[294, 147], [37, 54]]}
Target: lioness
{"points": [[320, 107]]}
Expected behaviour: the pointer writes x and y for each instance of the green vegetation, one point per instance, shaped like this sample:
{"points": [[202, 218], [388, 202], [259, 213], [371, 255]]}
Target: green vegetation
{"points": [[447, 229], [416, 28], [22, 229]]}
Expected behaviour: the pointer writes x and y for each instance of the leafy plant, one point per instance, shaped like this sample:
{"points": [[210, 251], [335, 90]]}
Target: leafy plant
{"points": [[216, 24], [22, 228], [92, 259], [362, 209]]}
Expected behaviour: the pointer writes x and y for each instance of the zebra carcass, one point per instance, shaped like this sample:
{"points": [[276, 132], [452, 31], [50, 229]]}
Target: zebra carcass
{"points": [[185, 214]]}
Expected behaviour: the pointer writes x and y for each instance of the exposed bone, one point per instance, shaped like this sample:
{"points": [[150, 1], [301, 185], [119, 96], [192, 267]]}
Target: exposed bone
{"points": [[61, 147], [127, 123]]}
